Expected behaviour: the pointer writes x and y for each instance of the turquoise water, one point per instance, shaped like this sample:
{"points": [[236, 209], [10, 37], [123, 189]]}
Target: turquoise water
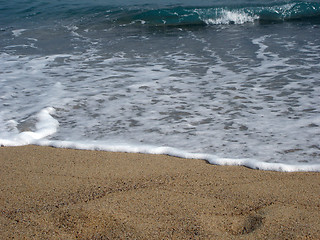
{"points": [[168, 13]]}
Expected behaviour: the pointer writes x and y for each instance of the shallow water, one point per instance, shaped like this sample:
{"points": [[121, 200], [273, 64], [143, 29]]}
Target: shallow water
{"points": [[235, 83]]}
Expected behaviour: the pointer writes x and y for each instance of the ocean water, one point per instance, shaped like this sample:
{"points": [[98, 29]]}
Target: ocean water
{"points": [[230, 82]]}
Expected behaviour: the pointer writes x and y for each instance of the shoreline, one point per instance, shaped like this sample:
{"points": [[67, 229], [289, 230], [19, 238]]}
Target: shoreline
{"points": [[53, 193]]}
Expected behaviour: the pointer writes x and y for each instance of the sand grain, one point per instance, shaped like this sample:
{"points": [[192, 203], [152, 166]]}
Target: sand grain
{"points": [[49, 193]]}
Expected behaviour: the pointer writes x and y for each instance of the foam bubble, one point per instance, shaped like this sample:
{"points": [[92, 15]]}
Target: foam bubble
{"points": [[45, 126], [18, 32], [231, 17]]}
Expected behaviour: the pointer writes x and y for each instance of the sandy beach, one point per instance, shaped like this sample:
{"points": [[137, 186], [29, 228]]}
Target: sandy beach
{"points": [[49, 193]]}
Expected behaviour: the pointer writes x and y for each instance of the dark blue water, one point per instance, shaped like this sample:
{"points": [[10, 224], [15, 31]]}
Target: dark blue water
{"points": [[236, 80], [171, 13]]}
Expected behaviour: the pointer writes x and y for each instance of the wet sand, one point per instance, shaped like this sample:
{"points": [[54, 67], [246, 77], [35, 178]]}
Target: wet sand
{"points": [[49, 193]]}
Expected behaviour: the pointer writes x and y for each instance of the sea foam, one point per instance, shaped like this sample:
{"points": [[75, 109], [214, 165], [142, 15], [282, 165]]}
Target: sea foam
{"points": [[159, 79], [46, 125], [231, 17]]}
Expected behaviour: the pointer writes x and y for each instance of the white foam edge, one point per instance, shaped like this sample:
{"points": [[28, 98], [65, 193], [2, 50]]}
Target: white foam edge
{"points": [[47, 126], [18, 32], [236, 17], [211, 159]]}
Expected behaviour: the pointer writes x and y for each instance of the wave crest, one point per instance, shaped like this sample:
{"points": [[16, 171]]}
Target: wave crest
{"points": [[229, 17], [177, 16]]}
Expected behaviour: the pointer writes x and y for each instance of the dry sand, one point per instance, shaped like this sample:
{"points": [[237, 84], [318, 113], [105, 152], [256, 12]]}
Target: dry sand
{"points": [[49, 193]]}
